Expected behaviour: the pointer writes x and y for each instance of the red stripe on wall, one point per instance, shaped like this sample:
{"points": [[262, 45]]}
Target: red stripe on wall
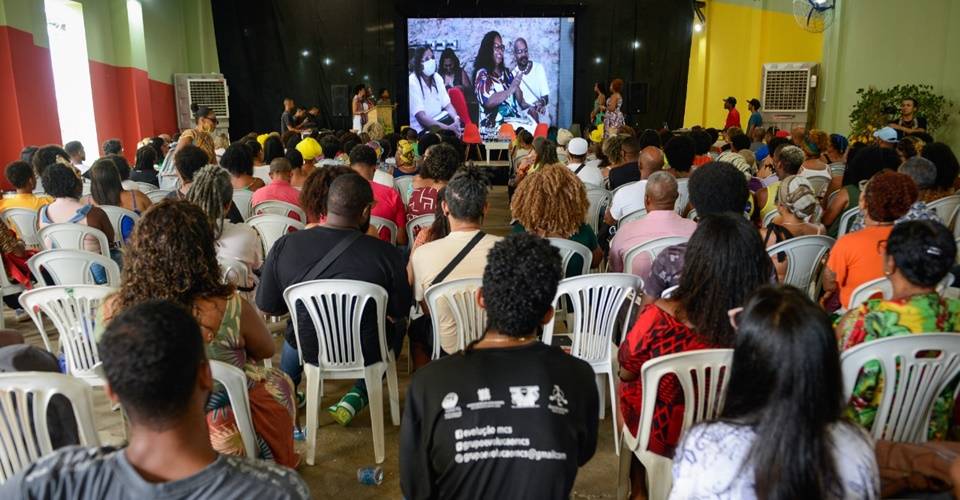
{"points": [[163, 102]]}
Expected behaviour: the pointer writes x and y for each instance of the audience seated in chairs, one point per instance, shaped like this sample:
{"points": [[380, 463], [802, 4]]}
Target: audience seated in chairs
{"points": [[364, 259], [465, 206], [916, 256], [439, 165], [781, 433], [725, 261], [21, 177], [237, 160], [145, 163], [862, 164], [716, 188], [106, 189], [796, 204], [155, 365], [388, 204], [660, 221], [786, 162], [507, 369], [279, 188], [313, 197], [856, 258], [187, 161], [552, 203], [630, 198], [233, 331], [212, 192]]}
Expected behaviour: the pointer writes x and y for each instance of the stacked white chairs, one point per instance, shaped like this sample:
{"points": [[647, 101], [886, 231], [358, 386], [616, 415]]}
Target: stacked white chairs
{"points": [[913, 379], [599, 201], [703, 375], [235, 382], [23, 221], [805, 255], [272, 227], [157, 195], [335, 308], [568, 249], [283, 208], [651, 248], [72, 309], [117, 216], [460, 298], [404, 186], [417, 224], [243, 199], [72, 267], [380, 223], [25, 399], [595, 303], [67, 235]]}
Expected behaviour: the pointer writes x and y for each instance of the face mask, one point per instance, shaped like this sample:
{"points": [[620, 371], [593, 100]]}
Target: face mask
{"points": [[429, 67]]}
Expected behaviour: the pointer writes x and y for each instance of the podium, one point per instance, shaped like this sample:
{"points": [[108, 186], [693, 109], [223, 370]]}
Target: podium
{"points": [[383, 114]]}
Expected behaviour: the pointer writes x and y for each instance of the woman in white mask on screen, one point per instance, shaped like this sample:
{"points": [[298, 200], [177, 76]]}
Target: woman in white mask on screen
{"points": [[429, 103]]}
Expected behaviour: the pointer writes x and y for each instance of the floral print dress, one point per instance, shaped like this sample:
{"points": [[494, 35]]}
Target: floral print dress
{"points": [[879, 319]]}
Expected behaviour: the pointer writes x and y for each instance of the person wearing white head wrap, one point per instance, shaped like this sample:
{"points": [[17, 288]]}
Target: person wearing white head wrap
{"points": [[738, 161], [797, 208]]}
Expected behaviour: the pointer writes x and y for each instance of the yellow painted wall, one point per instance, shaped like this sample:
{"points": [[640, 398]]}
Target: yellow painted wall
{"points": [[727, 57]]}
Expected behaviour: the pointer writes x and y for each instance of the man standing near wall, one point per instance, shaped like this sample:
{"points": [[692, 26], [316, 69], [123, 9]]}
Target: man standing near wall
{"points": [[756, 119], [733, 116]]}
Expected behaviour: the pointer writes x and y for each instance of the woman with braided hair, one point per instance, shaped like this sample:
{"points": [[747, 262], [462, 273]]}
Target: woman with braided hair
{"points": [[212, 192], [172, 257], [552, 203]]}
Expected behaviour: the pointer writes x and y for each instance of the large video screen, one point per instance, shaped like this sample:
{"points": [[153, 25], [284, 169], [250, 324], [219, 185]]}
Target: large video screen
{"points": [[490, 71]]}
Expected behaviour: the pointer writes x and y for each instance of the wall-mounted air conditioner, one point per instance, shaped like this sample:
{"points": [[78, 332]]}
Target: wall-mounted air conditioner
{"points": [[204, 89], [789, 94]]}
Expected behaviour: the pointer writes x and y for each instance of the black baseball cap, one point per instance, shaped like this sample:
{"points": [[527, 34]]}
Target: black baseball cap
{"points": [[754, 102], [732, 100]]}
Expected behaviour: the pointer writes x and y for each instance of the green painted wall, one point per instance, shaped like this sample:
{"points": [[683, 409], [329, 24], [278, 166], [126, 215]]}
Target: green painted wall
{"points": [[886, 42]]}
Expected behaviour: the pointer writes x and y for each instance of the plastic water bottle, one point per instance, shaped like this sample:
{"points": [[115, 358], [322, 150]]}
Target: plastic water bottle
{"points": [[370, 476]]}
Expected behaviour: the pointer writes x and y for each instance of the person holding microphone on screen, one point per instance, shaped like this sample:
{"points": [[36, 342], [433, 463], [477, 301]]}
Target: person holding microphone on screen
{"points": [[429, 102], [533, 87]]}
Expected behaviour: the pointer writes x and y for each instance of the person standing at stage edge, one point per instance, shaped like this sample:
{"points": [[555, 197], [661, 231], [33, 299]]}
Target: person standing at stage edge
{"points": [[733, 116], [533, 87]]}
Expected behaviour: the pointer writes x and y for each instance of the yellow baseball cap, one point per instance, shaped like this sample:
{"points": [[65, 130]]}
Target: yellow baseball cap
{"points": [[309, 148], [597, 134]]}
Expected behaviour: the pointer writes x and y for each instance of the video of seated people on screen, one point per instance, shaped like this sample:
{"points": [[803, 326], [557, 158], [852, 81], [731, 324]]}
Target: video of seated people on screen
{"points": [[489, 72]]}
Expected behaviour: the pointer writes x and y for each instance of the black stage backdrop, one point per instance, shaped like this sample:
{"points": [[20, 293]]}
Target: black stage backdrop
{"points": [[314, 51]]}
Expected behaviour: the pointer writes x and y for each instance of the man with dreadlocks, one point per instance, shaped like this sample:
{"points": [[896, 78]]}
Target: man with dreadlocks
{"points": [[213, 192], [552, 203]]}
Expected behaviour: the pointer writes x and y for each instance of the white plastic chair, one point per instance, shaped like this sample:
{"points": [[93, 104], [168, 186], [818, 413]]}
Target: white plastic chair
{"points": [[263, 173], [668, 292], [652, 248], [596, 300], [146, 187], [911, 383], [117, 215], [71, 236], [613, 193], [460, 298], [819, 184], [845, 220], [632, 216], [235, 272], [767, 219], [24, 402], [380, 223], [804, 261], [703, 375], [417, 224], [23, 221], [283, 208], [946, 209], [568, 249], [404, 186], [72, 267], [692, 214], [599, 200], [6, 288], [883, 285], [157, 195], [242, 199], [683, 196], [235, 382], [72, 309], [336, 308], [272, 227]]}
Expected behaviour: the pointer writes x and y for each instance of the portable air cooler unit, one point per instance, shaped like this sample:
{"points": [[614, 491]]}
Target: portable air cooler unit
{"points": [[789, 94], [203, 89]]}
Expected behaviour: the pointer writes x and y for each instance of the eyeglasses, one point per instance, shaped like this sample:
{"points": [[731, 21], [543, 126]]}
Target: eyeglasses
{"points": [[734, 315], [519, 52], [499, 47]]}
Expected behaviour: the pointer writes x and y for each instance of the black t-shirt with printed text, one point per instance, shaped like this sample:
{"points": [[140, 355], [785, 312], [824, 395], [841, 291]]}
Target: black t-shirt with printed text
{"points": [[498, 423]]}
